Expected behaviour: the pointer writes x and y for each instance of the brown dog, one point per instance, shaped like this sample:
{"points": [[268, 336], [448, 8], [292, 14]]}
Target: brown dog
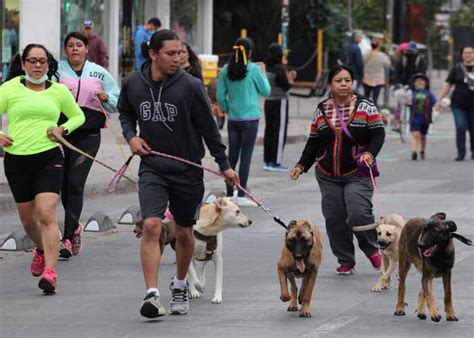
{"points": [[301, 258], [429, 246]]}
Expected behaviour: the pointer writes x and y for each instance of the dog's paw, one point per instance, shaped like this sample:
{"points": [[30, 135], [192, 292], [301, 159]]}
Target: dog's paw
{"points": [[194, 294], [305, 314], [216, 300], [421, 316], [399, 312], [436, 318], [452, 317], [199, 287], [379, 287], [285, 297], [292, 308]]}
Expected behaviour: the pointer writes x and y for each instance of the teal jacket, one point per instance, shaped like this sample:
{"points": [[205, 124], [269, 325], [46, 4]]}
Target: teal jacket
{"points": [[240, 99]]}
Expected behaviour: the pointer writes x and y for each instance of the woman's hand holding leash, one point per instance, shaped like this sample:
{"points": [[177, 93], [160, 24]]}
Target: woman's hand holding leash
{"points": [[55, 130], [103, 96], [5, 140], [138, 146], [367, 158]]}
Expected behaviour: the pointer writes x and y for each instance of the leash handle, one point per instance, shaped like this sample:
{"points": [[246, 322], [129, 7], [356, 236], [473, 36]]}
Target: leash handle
{"points": [[113, 183], [376, 193]]}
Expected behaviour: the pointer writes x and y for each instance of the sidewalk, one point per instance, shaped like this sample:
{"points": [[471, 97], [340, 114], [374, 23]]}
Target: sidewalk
{"points": [[114, 152]]}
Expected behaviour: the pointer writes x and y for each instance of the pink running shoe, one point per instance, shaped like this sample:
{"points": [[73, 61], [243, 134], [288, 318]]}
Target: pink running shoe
{"points": [[48, 281], [77, 241], [65, 250], [376, 260], [37, 264], [345, 269]]}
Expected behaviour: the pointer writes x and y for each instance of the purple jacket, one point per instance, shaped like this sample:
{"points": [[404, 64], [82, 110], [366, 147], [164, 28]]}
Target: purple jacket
{"points": [[98, 51]]}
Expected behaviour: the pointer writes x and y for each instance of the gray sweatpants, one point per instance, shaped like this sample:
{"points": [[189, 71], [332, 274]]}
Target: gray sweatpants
{"points": [[345, 204]]}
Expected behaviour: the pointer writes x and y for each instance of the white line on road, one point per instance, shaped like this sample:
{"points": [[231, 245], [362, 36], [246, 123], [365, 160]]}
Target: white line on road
{"points": [[328, 327]]}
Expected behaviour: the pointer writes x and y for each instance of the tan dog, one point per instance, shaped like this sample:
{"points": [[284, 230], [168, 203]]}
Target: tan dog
{"points": [[301, 258], [388, 235], [213, 219]]}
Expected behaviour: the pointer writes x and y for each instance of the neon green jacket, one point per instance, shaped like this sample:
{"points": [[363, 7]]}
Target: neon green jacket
{"points": [[31, 113]]}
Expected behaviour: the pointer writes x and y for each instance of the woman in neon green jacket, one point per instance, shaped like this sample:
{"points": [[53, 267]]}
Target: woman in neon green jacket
{"points": [[34, 160]]}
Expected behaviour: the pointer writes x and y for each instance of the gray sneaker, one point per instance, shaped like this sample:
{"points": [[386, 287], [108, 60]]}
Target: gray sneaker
{"points": [[151, 306], [179, 304]]}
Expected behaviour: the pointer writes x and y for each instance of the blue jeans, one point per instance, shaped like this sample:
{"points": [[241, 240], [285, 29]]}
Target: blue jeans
{"points": [[242, 136], [463, 118]]}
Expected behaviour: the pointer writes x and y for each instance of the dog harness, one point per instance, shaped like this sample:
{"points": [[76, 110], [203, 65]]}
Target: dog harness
{"points": [[211, 245]]}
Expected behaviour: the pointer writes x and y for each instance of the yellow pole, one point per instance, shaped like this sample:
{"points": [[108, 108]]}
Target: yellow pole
{"points": [[319, 63], [243, 33], [280, 39]]}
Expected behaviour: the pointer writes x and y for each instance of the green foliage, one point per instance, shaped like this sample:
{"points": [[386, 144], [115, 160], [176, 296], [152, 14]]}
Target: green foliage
{"points": [[306, 17], [439, 49], [368, 15], [464, 17], [185, 12]]}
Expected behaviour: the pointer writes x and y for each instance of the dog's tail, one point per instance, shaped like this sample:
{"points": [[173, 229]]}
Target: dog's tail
{"points": [[463, 239], [365, 227]]}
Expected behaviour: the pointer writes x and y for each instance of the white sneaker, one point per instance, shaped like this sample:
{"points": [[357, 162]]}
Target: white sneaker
{"points": [[245, 202], [179, 304], [151, 306]]}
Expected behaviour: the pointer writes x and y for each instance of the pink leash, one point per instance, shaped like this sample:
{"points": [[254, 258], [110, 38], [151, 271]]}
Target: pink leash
{"points": [[115, 180], [376, 193]]}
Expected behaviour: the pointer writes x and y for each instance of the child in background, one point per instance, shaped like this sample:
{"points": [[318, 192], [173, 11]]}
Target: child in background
{"points": [[421, 101]]}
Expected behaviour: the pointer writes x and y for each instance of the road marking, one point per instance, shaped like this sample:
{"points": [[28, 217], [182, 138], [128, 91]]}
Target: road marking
{"points": [[329, 326]]}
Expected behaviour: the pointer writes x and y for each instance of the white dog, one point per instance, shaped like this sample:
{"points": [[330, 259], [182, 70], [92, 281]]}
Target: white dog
{"points": [[388, 235]]}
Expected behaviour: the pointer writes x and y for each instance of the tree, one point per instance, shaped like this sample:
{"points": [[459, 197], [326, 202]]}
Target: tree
{"points": [[464, 17]]}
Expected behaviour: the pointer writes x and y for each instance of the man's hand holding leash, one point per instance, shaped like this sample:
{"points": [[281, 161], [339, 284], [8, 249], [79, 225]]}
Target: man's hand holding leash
{"points": [[138, 146], [231, 177]]}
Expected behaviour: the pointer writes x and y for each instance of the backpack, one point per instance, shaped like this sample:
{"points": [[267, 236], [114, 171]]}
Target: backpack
{"points": [[468, 77]]}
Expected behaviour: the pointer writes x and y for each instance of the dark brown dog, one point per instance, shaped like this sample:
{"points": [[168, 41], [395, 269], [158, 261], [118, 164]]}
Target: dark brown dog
{"points": [[429, 246], [301, 258]]}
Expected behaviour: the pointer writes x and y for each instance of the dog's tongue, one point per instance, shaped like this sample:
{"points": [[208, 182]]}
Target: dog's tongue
{"points": [[429, 252], [300, 265]]}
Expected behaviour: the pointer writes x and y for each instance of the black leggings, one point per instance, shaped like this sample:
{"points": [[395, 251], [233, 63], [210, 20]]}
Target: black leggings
{"points": [[76, 170]]}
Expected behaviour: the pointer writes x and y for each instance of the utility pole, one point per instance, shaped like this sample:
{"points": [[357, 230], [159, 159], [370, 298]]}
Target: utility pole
{"points": [[388, 44]]}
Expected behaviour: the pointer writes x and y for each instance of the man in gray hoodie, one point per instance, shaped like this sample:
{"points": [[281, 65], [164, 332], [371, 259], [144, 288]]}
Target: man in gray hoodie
{"points": [[174, 116]]}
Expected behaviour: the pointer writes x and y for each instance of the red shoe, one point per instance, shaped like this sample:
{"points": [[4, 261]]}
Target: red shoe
{"points": [[48, 281], [77, 241], [37, 264], [345, 269], [376, 260]]}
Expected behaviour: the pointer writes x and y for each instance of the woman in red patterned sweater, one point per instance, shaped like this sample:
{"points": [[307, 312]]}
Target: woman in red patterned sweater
{"points": [[346, 194]]}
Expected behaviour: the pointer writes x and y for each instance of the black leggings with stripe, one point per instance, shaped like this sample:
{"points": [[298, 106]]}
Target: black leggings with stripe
{"points": [[276, 127], [76, 170]]}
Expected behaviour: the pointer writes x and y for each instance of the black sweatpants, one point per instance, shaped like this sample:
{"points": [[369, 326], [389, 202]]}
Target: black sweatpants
{"points": [[276, 127], [76, 170]]}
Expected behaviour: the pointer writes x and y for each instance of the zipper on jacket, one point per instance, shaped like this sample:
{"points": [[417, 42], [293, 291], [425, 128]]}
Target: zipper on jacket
{"points": [[78, 89]]}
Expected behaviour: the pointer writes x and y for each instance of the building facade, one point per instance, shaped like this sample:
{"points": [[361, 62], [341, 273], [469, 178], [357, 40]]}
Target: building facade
{"points": [[49, 21]]}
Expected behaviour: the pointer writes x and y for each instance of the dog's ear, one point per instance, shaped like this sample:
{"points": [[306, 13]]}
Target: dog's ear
{"points": [[220, 203], [309, 227], [291, 224], [439, 215], [451, 226]]}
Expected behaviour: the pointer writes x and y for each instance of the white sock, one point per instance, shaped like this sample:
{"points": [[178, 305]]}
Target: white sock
{"points": [[155, 290], [179, 283]]}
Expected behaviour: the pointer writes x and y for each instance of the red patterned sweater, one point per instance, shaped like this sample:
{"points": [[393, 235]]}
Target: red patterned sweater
{"points": [[330, 147]]}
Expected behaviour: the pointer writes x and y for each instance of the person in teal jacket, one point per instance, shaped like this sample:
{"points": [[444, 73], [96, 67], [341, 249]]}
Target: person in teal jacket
{"points": [[96, 92], [241, 82]]}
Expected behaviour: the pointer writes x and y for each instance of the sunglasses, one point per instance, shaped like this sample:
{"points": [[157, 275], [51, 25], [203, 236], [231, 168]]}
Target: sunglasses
{"points": [[34, 61]]}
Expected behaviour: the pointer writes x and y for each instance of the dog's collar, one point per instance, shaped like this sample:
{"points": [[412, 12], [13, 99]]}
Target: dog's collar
{"points": [[211, 245]]}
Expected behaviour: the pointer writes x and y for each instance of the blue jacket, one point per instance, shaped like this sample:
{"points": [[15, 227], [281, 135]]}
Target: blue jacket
{"points": [[141, 35], [240, 99]]}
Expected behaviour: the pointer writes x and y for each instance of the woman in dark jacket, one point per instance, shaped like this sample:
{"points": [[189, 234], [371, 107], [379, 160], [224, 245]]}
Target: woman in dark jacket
{"points": [[346, 192]]}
